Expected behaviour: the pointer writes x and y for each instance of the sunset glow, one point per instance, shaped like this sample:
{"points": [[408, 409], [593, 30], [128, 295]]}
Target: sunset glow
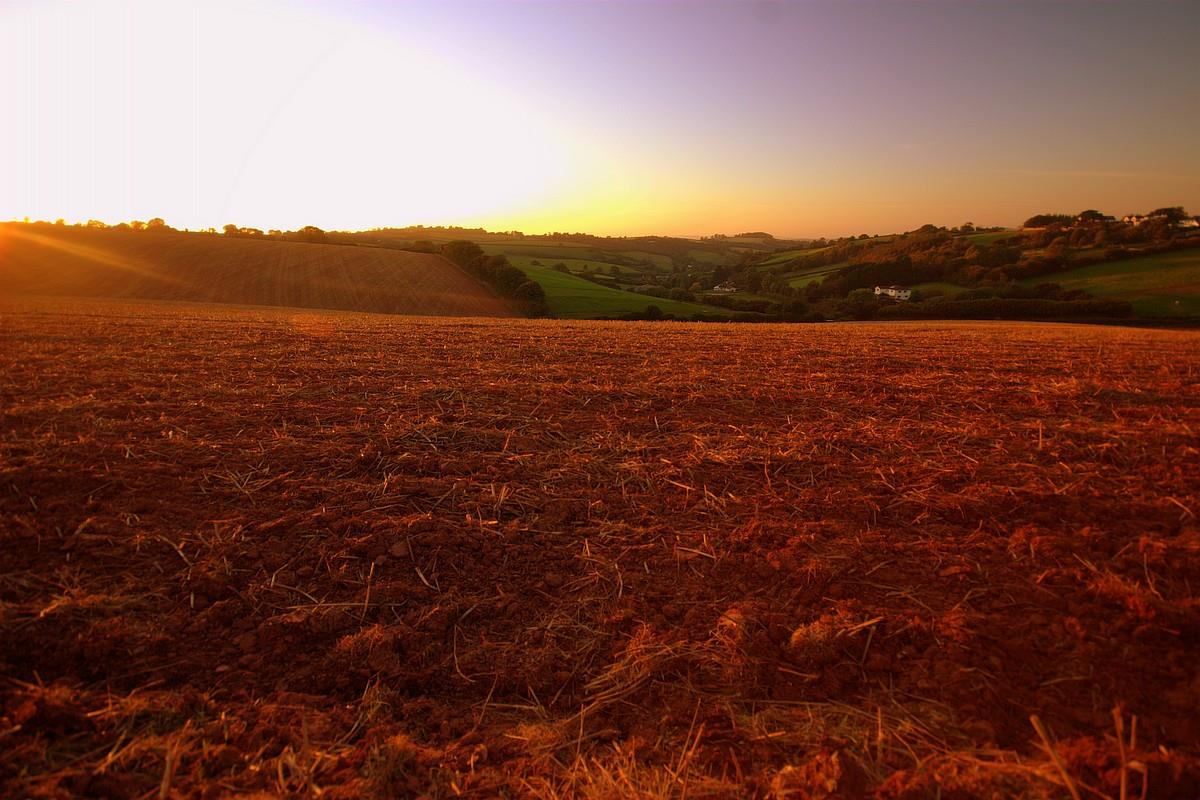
{"points": [[623, 118]]}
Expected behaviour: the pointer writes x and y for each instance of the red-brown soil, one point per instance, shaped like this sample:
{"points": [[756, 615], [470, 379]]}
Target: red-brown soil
{"points": [[295, 553], [84, 262]]}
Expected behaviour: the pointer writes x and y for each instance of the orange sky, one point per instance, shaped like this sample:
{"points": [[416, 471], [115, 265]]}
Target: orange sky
{"points": [[803, 119]]}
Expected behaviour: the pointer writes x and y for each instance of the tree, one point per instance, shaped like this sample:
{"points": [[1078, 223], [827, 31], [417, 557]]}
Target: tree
{"points": [[311, 233], [795, 308], [531, 292], [1091, 215], [1044, 220], [860, 304], [158, 224], [463, 253], [230, 229], [1172, 214]]}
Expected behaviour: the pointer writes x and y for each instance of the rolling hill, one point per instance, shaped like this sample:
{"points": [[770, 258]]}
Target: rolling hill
{"points": [[54, 260], [1160, 285]]}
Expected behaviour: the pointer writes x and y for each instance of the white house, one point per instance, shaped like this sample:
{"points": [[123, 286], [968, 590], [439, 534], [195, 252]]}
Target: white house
{"points": [[894, 292]]}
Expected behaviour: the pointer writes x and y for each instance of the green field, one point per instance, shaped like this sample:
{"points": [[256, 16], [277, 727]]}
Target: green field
{"points": [[542, 252], [988, 238], [788, 255], [656, 259], [571, 297], [705, 257], [577, 265], [798, 280], [550, 254], [1164, 285]]}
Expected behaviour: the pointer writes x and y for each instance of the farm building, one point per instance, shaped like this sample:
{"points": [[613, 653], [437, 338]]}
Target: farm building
{"points": [[894, 292]]}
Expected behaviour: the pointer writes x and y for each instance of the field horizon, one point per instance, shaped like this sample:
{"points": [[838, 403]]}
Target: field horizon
{"points": [[1111, 272]]}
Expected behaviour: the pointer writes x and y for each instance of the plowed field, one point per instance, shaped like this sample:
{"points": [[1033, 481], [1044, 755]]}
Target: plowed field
{"points": [[52, 260], [302, 553]]}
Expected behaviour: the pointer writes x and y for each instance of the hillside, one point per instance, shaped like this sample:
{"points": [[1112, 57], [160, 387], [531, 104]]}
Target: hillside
{"points": [[569, 296], [1161, 285], [52, 260], [1085, 268]]}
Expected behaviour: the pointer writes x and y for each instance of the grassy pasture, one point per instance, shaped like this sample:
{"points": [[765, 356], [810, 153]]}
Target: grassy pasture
{"points": [[788, 255], [798, 280], [572, 297], [706, 257], [575, 265], [1162, 285], [658, 260], [988, 238], [542, 252]]}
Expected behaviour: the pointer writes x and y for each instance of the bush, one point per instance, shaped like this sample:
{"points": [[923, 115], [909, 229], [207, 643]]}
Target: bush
{"points": [[505, 279], [531, 291]]}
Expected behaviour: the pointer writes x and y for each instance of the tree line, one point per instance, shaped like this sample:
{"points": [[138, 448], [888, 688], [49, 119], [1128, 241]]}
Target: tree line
{"points": [[496, 271]]}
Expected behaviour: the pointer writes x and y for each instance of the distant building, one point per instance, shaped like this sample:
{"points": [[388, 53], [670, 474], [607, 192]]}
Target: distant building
{"points": [[894, 292], [1134, 219], [724, 288], [1190, 222]]}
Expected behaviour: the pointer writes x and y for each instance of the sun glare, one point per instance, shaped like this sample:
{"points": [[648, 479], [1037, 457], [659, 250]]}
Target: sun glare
{"points": [[273, 119]]}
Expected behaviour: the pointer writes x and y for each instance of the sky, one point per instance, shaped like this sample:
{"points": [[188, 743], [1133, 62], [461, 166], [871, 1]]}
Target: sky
{"points": [[621, 118]]}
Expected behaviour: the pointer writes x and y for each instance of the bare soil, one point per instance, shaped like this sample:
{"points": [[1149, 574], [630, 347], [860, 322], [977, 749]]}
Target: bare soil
{"points": [[301, 553], [209, 268]]}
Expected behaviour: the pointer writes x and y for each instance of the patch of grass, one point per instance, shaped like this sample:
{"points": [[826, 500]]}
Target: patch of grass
{"points": [[788, 255], [705, 257], [799, 280], [654, 259], [575, 265], [571, 297], [988, 238], [1163, 285], [542, 252]]}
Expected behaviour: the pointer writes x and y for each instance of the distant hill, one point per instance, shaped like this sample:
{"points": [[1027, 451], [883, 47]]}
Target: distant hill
{"points": [[57, 260]]}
